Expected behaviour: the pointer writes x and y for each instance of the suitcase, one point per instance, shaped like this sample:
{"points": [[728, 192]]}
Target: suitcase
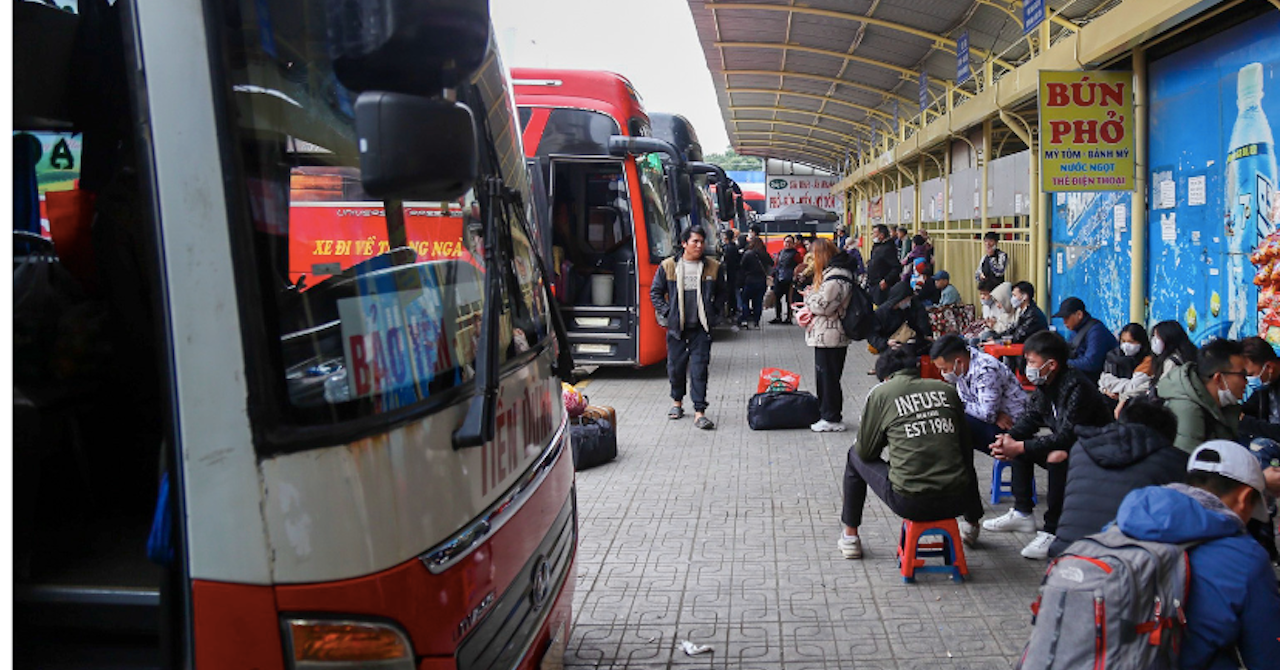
{"points": [[603, 412], [781, 410], [595, 442]]}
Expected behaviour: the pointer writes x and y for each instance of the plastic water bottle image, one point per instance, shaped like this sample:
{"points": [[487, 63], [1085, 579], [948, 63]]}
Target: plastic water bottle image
{"points": [[1251, 178]]}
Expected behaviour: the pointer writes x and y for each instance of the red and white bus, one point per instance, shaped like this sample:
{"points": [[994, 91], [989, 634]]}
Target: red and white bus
{"points": [[618, 197], [291, 401]]}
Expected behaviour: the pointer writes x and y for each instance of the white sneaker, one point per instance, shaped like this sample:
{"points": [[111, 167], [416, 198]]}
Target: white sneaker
{"points": [[824, 426], [851, 547], [1011, 521], [969, 533], [1039, 547]]}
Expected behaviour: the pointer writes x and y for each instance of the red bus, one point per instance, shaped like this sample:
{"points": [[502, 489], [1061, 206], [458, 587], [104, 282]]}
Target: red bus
{"points": [[611, 219], [294, 403]]}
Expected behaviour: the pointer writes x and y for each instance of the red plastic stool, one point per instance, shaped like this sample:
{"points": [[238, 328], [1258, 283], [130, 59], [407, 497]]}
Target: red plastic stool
{"points": [[912, 552]]}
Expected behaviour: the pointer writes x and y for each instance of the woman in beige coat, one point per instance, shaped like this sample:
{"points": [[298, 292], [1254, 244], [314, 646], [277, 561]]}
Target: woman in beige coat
{"points": [[825, 303]]}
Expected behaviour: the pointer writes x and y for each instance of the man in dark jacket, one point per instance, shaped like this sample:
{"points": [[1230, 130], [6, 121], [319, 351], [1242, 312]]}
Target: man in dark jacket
{"points": [[1233, 606], [1109, 462], [687, 293], [1261, 408], [1090, 339], [784, 273], [1031, 318], [901, 308], [883, 269], [918, 424], [731, 258], [1064, 399]]}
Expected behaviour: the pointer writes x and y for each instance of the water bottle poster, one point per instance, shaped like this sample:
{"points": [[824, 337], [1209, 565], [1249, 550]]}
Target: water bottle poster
{"points": [[1213, 247]]}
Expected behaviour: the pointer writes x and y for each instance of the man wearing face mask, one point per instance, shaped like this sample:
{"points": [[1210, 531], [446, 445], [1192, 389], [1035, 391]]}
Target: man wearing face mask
{"points": [[1205, 395], [1029, 319], [902, 322], [1064, 399], [992, 396], [1261, 407], [883, 268], [1090, 339]]}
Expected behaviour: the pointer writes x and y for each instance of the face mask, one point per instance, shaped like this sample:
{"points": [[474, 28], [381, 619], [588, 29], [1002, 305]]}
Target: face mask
{"points": [[1157, 346], [955, 374], [1017, 302], [1036, 376], [1254, 385], [988, 302], [1226, 398], [1130, 348]]}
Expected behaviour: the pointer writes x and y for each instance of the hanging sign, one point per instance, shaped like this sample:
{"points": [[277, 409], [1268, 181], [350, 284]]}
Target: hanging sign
{"points": [[962, 58], [924, 91], [1086, 131], [1032, 15]]}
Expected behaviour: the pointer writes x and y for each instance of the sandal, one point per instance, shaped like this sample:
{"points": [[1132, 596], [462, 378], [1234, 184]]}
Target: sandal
{"points": [[675, 412], [704, 423]]}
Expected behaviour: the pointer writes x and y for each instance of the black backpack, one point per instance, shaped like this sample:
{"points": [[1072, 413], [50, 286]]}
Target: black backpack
{"points": [[857, 320]]}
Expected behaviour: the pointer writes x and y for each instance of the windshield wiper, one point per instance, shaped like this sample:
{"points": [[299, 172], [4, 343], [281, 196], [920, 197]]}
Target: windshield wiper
{"points": [[478, 426]]}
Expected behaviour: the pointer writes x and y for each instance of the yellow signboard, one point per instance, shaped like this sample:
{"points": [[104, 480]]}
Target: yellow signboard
{"points": [[1086, 131]]}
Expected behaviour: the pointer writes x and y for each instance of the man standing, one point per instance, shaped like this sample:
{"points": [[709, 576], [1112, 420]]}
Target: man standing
{"points": [[731, 258], [994, 261], [1205, 395], [919, 425], [1090, 339], [1233, 606], [1064, 398], [1261, 408], [992, 396], [902, 240], [687, 293], [883, 268]]}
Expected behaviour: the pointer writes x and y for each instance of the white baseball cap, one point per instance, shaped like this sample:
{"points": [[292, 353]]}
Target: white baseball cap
{"points": [[1232, 461]]}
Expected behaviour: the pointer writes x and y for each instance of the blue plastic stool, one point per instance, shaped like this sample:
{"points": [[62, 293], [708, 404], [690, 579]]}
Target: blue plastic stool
{"points": [[912, 552], [1000, 489]]}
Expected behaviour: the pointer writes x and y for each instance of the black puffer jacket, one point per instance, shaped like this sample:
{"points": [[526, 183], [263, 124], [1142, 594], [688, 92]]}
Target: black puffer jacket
{"points": [[888, 320], [883, 265], [1031, 321], [1106, 464], [1072, 400]]}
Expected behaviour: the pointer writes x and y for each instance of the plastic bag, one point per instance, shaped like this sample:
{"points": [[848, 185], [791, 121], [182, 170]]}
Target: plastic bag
{"points": [[777, 379]]}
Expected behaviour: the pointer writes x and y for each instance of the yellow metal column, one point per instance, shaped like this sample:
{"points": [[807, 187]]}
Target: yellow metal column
{"points": [[918, 215], [1138, 205], [983, 161], [946, 186]]}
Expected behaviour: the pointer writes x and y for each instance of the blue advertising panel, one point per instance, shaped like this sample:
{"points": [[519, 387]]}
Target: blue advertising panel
{"points": [[1032, 15], [1213, 247], [1091, 254], [924, 91], [962, 58]]}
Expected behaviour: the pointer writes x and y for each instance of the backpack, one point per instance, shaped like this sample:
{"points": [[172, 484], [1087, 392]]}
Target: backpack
{"points": [[1110, 602], [857, 321]]}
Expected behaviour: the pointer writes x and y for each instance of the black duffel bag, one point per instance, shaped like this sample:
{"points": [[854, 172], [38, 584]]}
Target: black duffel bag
{"points": [[776, 410], [595, 442]]}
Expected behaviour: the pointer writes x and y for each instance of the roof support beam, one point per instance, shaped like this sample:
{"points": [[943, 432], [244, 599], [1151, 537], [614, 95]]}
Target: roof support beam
{"points": [[906, 73], [823, 98], [939, 42], [865, 128], [851, 139], [837, 147], [829, 80], [780, 146]]}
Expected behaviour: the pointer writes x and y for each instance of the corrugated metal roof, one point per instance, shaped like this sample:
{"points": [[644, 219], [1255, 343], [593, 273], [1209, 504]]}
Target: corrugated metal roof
{"points": [[846, 62]]}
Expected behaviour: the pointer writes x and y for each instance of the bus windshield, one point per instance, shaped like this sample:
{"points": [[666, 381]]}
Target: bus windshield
{"points": [[366, 315]]}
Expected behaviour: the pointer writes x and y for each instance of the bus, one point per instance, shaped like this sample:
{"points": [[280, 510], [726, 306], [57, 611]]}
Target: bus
{"points": [[286, 370], [611, 219]]}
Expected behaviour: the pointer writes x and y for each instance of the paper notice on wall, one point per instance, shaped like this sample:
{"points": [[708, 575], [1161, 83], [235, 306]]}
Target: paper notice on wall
{"points": [[1122, 219], [1169, 227], [1195, 237], [1060, 261], [1062, 198], [951, 205], [1195, 191], [1017, 202], [1168, 194], [1214, 272]]}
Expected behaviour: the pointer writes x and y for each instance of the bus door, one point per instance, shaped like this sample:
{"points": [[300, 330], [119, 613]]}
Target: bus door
{"points": [[594, 241]]}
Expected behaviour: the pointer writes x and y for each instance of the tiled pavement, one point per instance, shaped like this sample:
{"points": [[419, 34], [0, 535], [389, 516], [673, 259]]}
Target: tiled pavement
{"points": [[727, 538]]}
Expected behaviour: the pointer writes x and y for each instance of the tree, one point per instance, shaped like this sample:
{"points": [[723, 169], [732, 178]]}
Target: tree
{"points": [[730, 160]]}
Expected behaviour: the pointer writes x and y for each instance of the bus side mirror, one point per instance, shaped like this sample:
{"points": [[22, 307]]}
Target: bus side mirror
{"points": [[724, 187], [682, 191], [414, 148]]}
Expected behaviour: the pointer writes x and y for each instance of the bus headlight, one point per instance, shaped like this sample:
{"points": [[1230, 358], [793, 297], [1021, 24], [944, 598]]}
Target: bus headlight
{"points": [[334, 645]]}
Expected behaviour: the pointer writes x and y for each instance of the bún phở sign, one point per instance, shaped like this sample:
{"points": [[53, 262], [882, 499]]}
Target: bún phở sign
{"points": [[1086, 131]]}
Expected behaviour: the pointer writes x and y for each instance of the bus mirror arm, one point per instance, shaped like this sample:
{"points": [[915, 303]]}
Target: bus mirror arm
{"points": [[482, 410], [724, 190], [622, 145]]}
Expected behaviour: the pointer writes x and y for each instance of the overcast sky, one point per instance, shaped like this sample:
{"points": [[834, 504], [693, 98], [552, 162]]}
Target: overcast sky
{"points": [[651, 42]]}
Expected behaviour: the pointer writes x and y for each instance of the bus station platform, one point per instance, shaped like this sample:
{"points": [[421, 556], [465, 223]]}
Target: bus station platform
{"points": [[727, 539]]}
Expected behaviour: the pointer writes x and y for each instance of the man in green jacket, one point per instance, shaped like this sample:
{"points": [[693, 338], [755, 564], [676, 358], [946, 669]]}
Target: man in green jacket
{"points": [[919, 425], [1206, 395]]}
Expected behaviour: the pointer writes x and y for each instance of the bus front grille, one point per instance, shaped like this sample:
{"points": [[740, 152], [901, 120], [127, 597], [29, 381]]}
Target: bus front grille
{"points": [[502, 639]]}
